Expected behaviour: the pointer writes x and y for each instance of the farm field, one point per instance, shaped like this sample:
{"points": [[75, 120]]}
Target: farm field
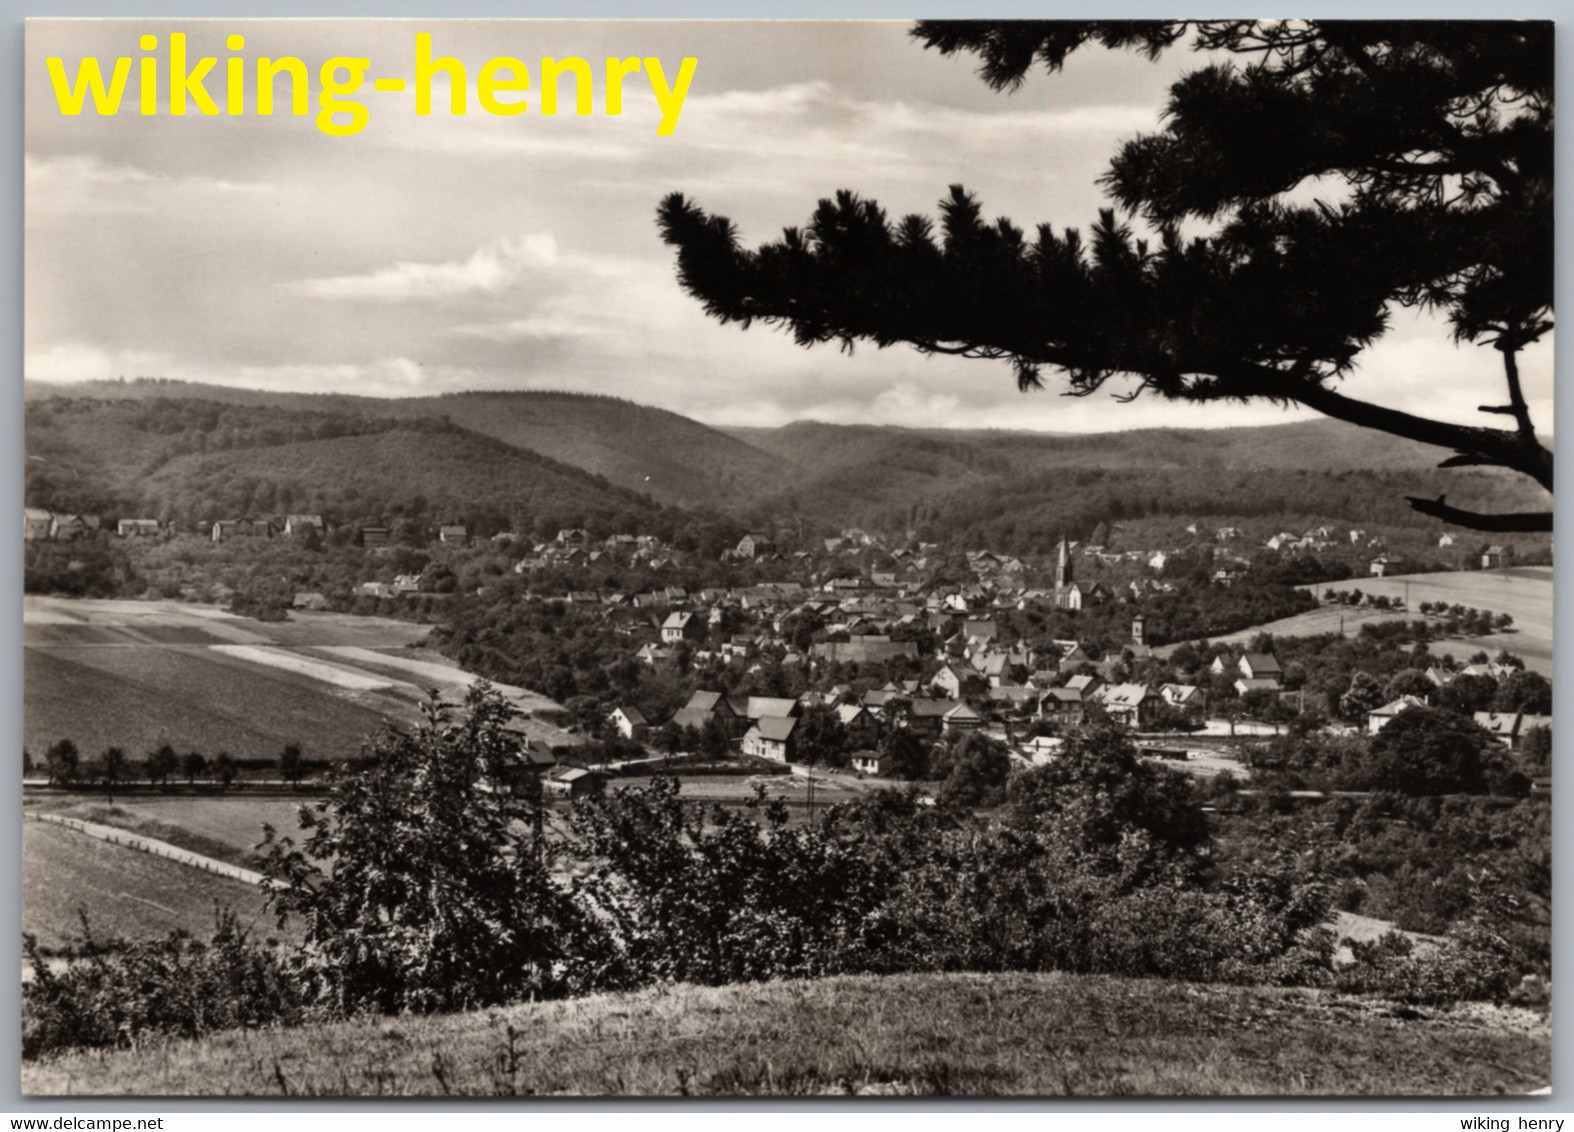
{"points": [[1525, 594], [126, 893], [227, 828], [139, 674], [428, 669], [139, 697], [1008, 1034]]}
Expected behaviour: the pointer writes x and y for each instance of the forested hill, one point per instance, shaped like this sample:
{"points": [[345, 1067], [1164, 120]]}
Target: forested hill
{"points": [[1011, 491], [195, 461], [1015, 491], [669, 457], [1318, 444]]}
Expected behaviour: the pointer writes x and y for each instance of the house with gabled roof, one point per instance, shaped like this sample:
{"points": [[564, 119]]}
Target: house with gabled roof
{"points": [[652, 654], [1260, 666], [1064, 704], [226, 529], [754, 545], [1511, 728], [297, 525], [1127, 704], [871, 763], [573, 782], [1181, 695], [1379, 718], [928, 716], [961, 718], [519, 771], [771, 738], [681, 626], [703, 706], [1084, 685], [956, 679], [1072, 654], [630, 722]]}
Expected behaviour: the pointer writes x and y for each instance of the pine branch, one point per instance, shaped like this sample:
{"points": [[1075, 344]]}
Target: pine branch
{"points": [[1523, 521], [1486, 446]]}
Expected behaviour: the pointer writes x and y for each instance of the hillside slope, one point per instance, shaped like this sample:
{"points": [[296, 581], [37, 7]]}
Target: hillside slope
{"points": [[673, 459], [1018, 491], [1013, 1034], [194, 460]]}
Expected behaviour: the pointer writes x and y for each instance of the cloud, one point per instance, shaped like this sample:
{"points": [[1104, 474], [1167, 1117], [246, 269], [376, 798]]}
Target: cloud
{"points": [[380, 377], [491, 252], [527, 329], [79, 361], [490, 270], [397, 376], [81, 170]]}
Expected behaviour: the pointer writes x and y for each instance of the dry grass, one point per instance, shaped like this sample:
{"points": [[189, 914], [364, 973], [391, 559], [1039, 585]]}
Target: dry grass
{"points": [[125, 893], [903, 1035], [224, 828]]}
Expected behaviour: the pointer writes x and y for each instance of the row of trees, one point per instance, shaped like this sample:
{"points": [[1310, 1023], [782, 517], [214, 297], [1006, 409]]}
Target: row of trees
{"points": [[65, 766]]}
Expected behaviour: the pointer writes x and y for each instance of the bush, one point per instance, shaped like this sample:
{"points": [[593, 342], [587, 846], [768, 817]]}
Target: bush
{"points": [[1468, 966], [419, 881], [717, 896], [115, 993], [423, 886]]}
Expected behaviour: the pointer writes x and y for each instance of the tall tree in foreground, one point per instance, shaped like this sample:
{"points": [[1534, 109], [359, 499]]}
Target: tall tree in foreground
{"points": [[1427, 147], [418, 878]]}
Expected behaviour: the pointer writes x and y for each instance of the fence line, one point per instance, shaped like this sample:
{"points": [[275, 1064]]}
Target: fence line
{"points": [[153, 846]]}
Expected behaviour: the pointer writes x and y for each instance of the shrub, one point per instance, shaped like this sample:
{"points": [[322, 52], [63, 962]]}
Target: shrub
{"points": [[716, 896], [115, 993], [419, 881], [1467, 966]]}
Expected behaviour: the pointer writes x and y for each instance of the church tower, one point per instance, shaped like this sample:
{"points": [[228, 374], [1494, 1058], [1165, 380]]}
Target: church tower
{"points": [[1062, 573]]}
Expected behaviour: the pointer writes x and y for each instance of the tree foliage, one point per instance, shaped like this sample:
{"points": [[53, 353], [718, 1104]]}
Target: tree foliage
{"points": [[1430, 751], [419, 885], [1429, 149]]}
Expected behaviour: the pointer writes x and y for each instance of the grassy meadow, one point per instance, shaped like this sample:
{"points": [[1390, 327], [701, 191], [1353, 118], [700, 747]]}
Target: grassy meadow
{"points": [[125, 893], [226, 828], [1012, 1034]]}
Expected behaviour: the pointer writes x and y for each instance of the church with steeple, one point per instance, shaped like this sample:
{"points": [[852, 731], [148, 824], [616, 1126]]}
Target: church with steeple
{"points": [[1065, 588]]}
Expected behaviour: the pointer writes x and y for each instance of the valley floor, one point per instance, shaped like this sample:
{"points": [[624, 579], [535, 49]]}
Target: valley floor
{"points": [[1012, 1034]]}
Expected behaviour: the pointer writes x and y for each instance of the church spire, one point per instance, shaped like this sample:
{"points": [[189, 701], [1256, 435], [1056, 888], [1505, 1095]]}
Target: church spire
{"points": [[1063, 572]]}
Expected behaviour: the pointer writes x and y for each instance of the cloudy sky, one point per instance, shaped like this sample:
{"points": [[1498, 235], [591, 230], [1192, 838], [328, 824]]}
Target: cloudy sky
{"points": [[432, 254]]}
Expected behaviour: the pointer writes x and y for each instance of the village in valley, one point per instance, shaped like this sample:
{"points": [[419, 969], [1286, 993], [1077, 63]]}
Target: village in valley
{"points": [[835, 644], [1338, 733]]}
